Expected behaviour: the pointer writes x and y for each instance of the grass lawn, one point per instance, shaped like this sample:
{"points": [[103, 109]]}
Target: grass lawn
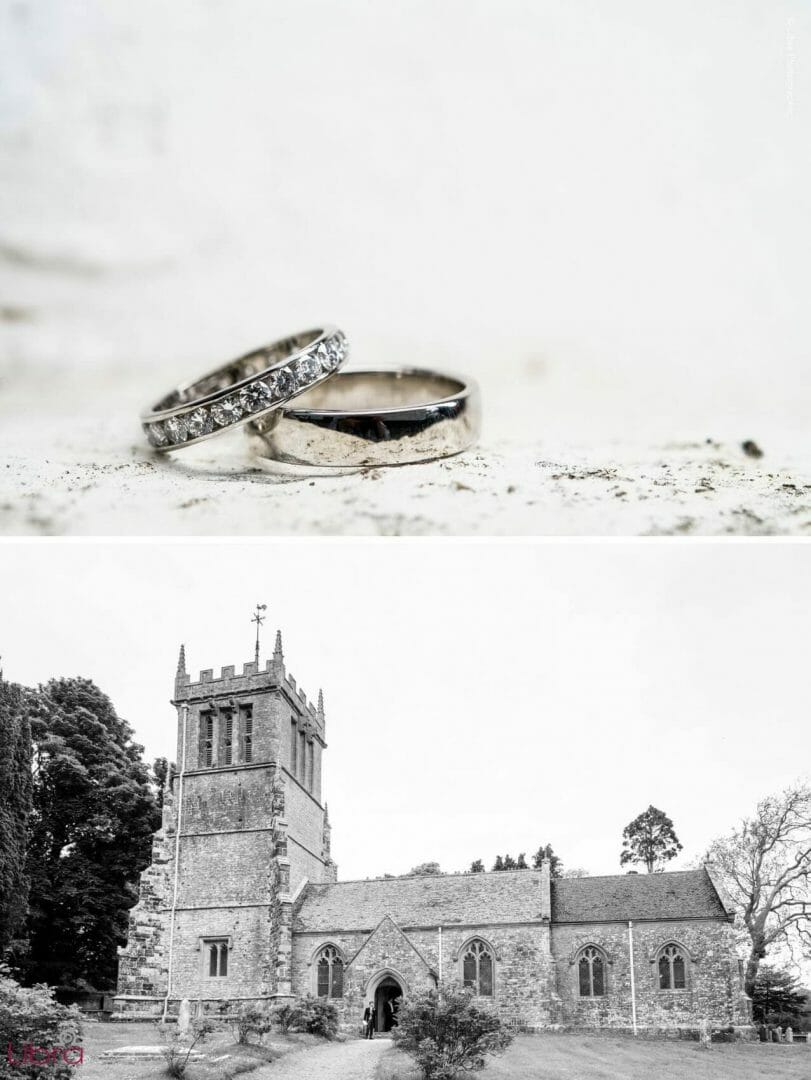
{"points": [[586, 1057], [98, 1037]]}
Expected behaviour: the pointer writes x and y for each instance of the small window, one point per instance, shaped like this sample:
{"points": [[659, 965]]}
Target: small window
{"points": [[310, 756], [477, 968], [672, 968], [591, 972], [228, 746], [330, 973], [217, 958]]}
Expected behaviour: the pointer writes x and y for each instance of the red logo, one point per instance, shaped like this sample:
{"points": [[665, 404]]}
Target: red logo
{"points": [[41, 1055]]}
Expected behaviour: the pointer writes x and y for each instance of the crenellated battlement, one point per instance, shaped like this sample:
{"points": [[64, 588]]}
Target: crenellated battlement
{"points": [[252, 679]]}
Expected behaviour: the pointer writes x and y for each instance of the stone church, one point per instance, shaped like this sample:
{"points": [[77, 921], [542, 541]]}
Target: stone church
{"points": [[241, 901]]}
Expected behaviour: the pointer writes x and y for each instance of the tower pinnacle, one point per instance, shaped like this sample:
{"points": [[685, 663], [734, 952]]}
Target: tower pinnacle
{"points": [[320, 704], [277, 651], [181, 662]]}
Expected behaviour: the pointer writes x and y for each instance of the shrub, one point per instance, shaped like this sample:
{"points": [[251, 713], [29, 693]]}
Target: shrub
{"points": [[449, 1033], [286, 1017], [251, 1020], [319, 1017], [179, 1047], [315, 1016], [29, 1016]]}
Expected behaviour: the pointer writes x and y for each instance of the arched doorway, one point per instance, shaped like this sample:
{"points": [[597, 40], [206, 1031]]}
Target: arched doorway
{"points": [[386, 1004]]}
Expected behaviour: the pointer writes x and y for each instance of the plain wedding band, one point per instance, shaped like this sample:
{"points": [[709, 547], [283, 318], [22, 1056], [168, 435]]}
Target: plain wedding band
{"points": [[373, 417]]}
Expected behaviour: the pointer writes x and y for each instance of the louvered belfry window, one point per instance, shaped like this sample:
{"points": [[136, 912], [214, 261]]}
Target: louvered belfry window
{"points": [[207, 724], [228, 744]]}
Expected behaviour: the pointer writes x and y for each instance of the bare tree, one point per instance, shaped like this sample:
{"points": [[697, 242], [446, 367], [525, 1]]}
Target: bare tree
{"points": [[765, 864]]}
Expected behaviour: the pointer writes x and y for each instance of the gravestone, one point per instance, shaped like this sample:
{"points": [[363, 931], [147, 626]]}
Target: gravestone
{"points": [[789, 1034], [184, 1018], [704, 1034]]}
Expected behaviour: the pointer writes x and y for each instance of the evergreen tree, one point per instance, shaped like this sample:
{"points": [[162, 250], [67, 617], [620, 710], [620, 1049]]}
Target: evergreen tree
{"points": [[650, 839], [92, 824], [521, 862], [778, 997], [509, 862], [499, 863], [546, 854], [477, 867], [15, 810]]}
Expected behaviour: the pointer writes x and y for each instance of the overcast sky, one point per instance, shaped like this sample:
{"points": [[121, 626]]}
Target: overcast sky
{"points": [[481, 697]]}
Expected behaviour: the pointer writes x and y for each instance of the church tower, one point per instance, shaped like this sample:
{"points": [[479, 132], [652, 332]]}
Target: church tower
{"points": [[244, 829]]}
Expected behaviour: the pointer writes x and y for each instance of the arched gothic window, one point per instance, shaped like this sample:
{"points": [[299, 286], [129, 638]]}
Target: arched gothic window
{"points": [[591, 972], [477, 968], [672, 968], [330, 973]]}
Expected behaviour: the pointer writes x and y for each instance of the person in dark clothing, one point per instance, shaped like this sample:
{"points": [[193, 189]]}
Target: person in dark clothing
{"points": [[370, 1020], [390, 1014]]}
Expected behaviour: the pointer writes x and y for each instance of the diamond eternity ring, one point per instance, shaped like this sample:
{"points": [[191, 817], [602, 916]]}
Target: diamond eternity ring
{"points": [[375, 417], [253, 386]]}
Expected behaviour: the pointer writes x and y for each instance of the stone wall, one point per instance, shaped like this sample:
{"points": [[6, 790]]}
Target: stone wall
{"points": [[714, 990], [523, 967]]}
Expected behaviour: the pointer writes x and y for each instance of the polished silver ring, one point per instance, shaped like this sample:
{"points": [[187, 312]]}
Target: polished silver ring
{"points": [[362, 418], [252, 386]]}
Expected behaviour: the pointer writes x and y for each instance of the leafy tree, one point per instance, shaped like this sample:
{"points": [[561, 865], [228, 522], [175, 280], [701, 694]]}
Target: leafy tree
{"points": [[160, 771], [499, 863], [15, 810], [426, 869], [778, 997], [509, 863], [91, 833], [477, 867], [650, 839], [544, 854], [765, 865], [449, 1034], [575, 872], [521, 862]]}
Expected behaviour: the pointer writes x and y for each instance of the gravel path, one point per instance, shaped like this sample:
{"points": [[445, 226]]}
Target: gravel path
{"points": [[354, 1060]]}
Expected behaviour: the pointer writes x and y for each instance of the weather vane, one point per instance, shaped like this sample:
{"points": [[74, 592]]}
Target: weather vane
{"points": [[258, 619]]}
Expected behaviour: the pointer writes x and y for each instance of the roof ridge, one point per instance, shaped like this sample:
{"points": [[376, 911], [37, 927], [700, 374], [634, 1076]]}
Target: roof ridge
{"points": [[435, 877], [623, 877]]}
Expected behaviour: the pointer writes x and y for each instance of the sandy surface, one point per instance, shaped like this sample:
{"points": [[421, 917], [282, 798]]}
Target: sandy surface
{"points": [[77, 473]]}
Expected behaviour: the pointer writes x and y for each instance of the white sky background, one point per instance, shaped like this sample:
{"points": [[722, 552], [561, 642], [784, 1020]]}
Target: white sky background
{"points": [[604, 204], [481, 698]]}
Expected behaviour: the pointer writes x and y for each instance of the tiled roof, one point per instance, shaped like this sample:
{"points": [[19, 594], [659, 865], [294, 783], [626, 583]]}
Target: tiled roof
{"points": [[476, 899], [688, 894]]}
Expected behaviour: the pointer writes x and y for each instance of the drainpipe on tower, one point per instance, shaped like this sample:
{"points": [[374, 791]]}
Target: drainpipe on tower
{"points": [[439, 975], [184, 715], [633, 977]]}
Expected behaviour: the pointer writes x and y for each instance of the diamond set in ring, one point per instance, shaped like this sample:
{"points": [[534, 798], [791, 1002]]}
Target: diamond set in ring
{"points": [[274, 388]]}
